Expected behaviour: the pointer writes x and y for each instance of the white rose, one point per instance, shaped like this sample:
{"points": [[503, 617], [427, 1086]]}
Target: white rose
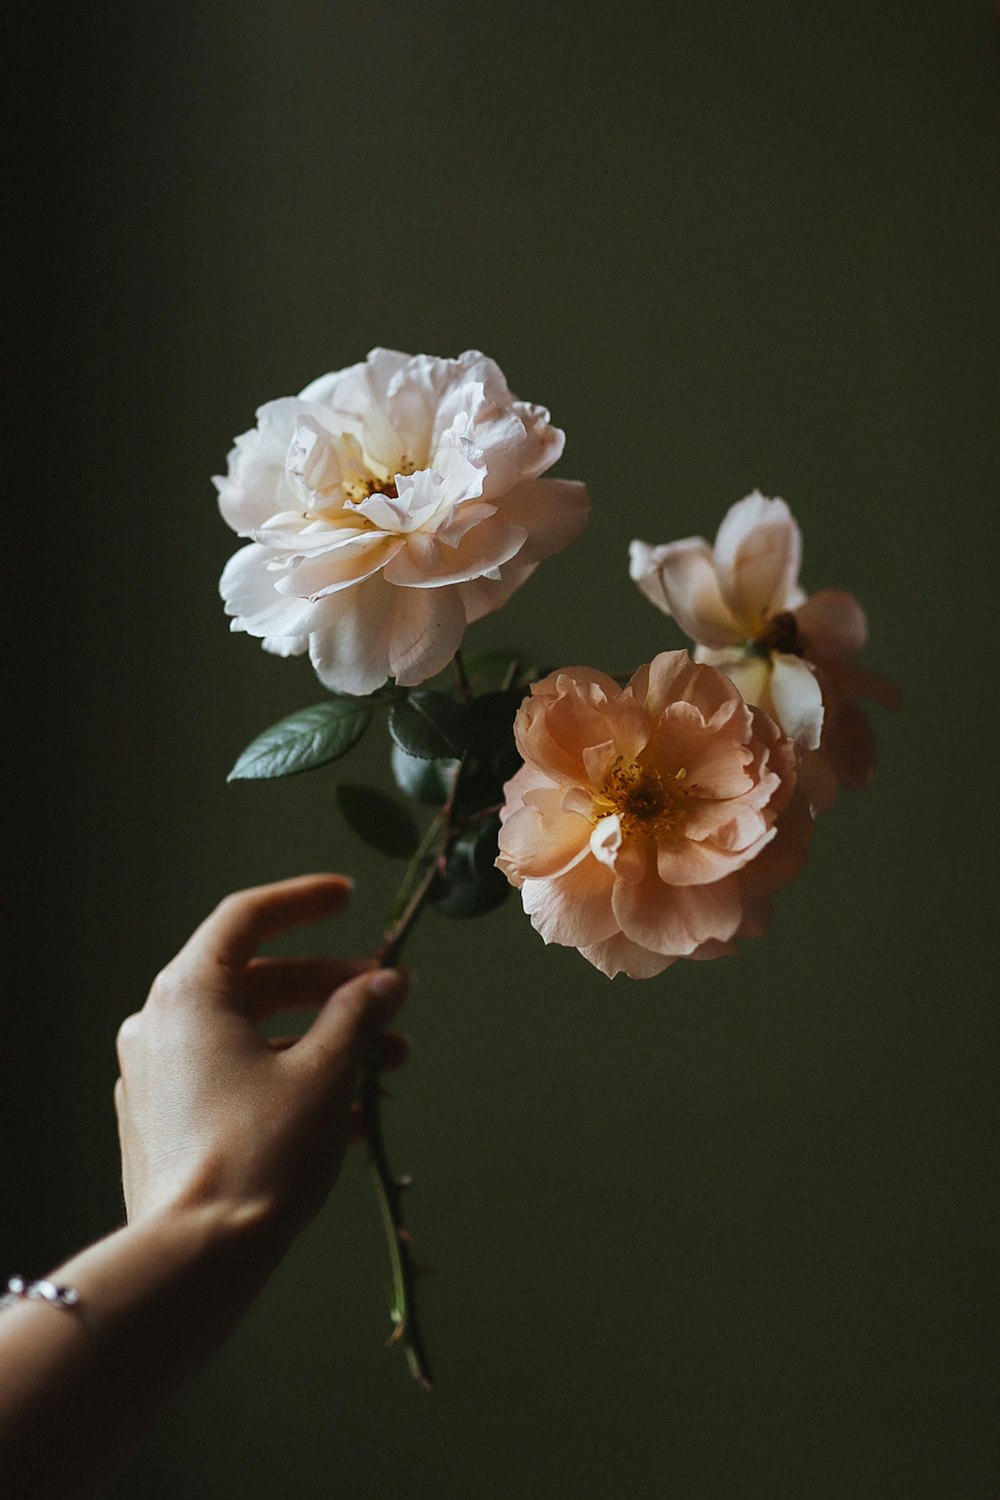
{"points": [[389, 505]]}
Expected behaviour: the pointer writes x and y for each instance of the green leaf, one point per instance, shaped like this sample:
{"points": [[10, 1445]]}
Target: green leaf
{"points": [[378, 819], [305, 740], [429, 725], [470, 884], [427, 781]]}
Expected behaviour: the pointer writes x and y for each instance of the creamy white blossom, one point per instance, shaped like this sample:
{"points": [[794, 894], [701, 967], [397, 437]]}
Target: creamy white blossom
{"points": [[789, 654], [386, 507]]}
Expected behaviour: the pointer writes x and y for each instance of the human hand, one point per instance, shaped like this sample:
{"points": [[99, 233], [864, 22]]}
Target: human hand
{"points": [[212, 1113]]}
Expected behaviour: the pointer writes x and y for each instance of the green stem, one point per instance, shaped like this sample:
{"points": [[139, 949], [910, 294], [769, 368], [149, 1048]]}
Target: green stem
{"points": [[389, 1188], [410, 901], [462, 677]]}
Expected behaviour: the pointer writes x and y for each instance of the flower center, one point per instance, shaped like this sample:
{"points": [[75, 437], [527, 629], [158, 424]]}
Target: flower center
{"points": [[362, 486], [780, 634], [644, 801]]}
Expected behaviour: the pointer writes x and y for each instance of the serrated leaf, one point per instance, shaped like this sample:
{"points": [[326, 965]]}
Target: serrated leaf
{"points": [[470, 884], [426, 781], [378, 819], [304, 740], [429, 725]]}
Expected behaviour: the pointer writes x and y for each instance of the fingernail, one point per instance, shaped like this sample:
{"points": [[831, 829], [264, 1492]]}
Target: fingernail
{"points": [[388, 983]]}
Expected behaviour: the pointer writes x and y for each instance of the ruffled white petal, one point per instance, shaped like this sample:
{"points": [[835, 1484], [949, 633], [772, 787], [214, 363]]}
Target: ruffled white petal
{"points": [[249, 595], [389, 505], [796, 700], [680, 578], [758, 551]]}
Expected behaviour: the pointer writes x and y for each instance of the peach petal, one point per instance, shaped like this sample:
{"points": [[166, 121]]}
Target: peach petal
{"points": [[713, 948], [851, 681], [573, 908], [688, 862], [782, 859], [675, 919], [524, 781], [673, 677], [832, 624], [619, 955], [715, 763], [542, 840], [730, 824], [566, 716]]}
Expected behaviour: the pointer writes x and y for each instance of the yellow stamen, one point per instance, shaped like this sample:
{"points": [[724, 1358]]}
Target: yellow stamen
{"points": [[644, 801]]}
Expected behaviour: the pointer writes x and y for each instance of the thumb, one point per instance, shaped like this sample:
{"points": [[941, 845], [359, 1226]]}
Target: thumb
{"points": [[355, 1014]]}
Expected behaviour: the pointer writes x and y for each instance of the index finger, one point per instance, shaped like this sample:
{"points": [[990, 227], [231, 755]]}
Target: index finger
{"points": [[234, 931]]}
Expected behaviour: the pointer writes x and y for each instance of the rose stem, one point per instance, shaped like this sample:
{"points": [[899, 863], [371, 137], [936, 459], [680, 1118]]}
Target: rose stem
{"points": [[389, 1188], [409, 903], [462, 677]]}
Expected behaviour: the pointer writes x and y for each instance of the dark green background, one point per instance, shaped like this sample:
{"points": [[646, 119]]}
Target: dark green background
{"points": [[723, 1234]]}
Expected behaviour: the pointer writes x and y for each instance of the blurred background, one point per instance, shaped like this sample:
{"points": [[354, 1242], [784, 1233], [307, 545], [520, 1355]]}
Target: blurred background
{"points": [[728, 1233]]}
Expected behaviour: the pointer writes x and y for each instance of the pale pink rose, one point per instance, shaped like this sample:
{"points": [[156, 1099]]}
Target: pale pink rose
{"points": [[651, 822], [387, 507], [790, 655]]}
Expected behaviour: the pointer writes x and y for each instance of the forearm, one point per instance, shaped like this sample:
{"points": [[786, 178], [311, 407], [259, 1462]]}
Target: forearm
{"points": [[79, 1387]]}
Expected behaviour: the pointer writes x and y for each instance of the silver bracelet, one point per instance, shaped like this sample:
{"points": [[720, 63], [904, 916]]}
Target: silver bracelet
{"points": [[19, 1290]]}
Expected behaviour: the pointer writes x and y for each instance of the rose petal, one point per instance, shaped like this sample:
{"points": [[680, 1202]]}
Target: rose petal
{"points": [[796, 699], [255, 485], [619, 955], [424, 562], [714, 761], [573, 908], [758, 550], [675, 919], [316, 578], [249, 595], [554, 729], [831, 624], [352, 656], [425, 631], [681, 579], [542, 840]]}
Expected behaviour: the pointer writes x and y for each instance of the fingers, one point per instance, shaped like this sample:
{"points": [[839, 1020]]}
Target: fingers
{"points": [[353, 1017], [275, 984], [236, 928], [393, 1048]]}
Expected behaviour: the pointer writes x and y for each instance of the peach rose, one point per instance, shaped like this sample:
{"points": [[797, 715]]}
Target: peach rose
{"points": [[792, 656], [644, 825]]}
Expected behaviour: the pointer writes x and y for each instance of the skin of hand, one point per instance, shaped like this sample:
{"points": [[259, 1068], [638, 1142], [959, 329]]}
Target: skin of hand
{"points": [[211, 1111], [230, 1143]]}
